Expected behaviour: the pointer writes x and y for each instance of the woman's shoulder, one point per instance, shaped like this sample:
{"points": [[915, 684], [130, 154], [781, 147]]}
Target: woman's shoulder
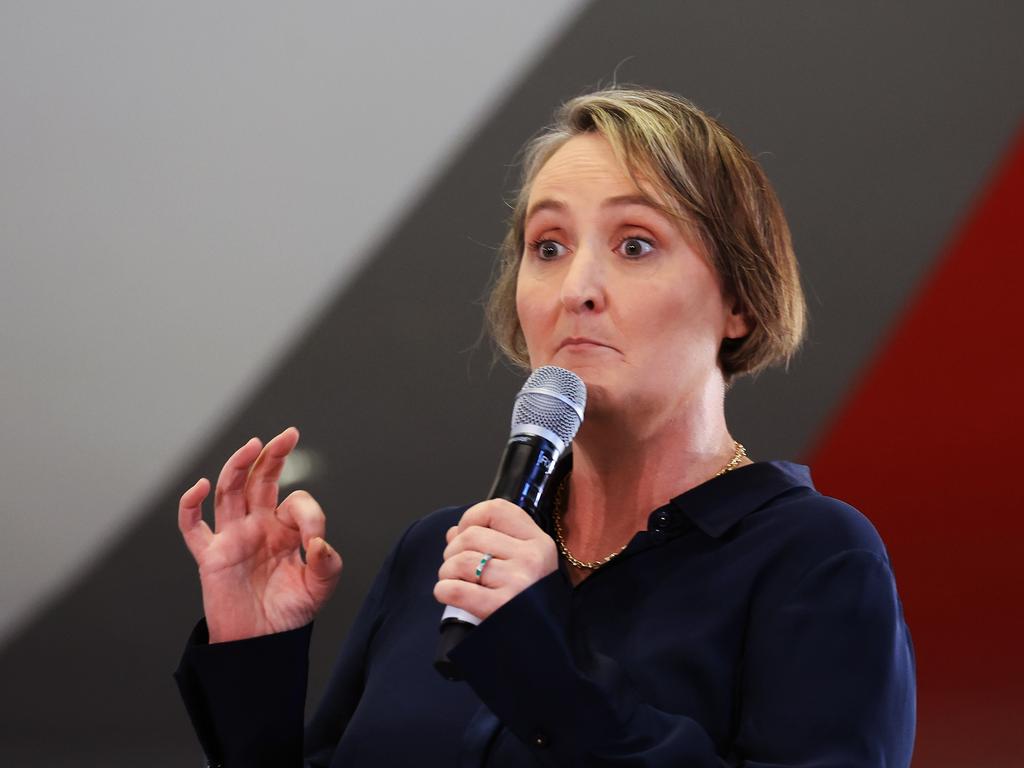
{"points": [[426, 535], [803, 532], [805, 520], [435, 523], [418, 550]]}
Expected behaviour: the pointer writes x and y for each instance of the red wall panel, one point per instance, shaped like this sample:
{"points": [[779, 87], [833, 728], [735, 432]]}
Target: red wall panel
{"points": [[928, 447]]}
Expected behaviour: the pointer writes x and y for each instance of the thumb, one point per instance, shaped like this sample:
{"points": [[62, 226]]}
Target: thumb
{"points": [[323, 567]]}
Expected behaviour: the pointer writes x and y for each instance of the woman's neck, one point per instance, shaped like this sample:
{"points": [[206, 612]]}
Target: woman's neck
{"points": [[624, 467]]}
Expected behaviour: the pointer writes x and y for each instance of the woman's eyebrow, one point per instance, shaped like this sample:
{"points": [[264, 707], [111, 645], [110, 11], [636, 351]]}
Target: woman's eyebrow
{"points": [[622, 200], [547, 204], [551, 204]]}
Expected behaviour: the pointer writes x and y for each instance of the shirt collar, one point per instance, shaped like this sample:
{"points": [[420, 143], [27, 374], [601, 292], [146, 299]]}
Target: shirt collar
{"points": [[714, 506], [718, 504]]}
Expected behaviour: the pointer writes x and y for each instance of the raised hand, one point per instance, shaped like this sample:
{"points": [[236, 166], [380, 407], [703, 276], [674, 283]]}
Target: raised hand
{"points": [[251, 569]]}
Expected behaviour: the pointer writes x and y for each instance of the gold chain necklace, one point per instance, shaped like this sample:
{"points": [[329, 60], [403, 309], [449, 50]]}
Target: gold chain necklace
{"points": [[593, 565]]}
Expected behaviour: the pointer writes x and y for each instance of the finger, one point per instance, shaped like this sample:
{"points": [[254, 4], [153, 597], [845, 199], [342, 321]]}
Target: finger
{"points": [[477, 599], [451, 533], [323, 567], [261, 486], [194, 530], [301, 512], [484, 540], [229, 500], [466, 564], [502, 516]]}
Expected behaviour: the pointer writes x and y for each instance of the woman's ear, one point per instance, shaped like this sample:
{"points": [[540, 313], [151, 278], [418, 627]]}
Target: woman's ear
{"points": [[737, 325]]}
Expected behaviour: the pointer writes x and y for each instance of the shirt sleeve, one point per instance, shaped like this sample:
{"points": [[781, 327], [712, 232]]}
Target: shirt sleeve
{"points": [[827, 680], [246, 699], [828, 677]]}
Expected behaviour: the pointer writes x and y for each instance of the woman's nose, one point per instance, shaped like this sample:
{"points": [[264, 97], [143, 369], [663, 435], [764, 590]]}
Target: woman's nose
{"points": [[583, 288]]}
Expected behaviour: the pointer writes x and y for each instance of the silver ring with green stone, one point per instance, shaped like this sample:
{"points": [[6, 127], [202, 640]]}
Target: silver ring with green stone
{"points": [[483, 562]]}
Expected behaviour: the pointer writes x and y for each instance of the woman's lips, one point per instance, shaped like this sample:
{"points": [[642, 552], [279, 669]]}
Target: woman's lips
{"points": [[578, 343]]}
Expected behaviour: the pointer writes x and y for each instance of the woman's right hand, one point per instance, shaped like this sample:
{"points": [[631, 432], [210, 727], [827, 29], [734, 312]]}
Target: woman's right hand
{"points": [[253, 577]]}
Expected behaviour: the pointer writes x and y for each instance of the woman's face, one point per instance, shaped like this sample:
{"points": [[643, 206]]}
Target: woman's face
{"points": [[612, 289]]}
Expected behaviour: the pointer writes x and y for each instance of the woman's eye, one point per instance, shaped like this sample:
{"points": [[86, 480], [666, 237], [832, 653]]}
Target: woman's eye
{"points": [[547, 249], [635, 247]]}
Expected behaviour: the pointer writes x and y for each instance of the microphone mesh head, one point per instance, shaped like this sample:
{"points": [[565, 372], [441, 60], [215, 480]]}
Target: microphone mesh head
{"points": [[552, 399]]}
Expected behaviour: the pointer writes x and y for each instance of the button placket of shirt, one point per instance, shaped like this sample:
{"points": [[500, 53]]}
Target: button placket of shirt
{"points": [[659, 525]]}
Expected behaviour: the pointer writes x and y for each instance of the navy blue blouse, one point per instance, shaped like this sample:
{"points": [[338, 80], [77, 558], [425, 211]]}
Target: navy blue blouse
{"points": [[754, 623]]}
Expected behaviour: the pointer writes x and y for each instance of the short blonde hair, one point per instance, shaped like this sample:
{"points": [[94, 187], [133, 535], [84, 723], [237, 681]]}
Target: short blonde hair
{"points": [[711, 183]]}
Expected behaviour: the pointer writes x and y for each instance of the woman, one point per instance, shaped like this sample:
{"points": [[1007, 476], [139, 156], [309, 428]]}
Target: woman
{"points": [[674, 604]]}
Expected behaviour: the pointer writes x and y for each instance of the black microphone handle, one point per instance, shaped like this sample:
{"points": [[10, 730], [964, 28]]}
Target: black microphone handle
{"points": [[522, 474]]}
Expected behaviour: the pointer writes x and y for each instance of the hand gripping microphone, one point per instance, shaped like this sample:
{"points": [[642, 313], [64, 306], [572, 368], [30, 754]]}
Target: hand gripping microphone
{"points": [[548, 411]]}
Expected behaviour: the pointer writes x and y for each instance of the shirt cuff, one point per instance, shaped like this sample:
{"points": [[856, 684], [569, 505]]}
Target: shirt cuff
{"points": [[246, 698]]}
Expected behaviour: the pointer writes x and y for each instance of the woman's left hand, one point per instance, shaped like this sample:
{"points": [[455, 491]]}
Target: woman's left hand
{"points": [[521, 554]]}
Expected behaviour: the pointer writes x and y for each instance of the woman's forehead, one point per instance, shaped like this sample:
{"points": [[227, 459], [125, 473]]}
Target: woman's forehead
{"points": [[587, 165], [583, 162]]}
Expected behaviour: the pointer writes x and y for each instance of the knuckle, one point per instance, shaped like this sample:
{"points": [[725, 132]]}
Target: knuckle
{"points": [[480, 512], [497, 511], [452, 550], [534, 558], [305, 501], [506, 509], [462, 541], [550, 554]]}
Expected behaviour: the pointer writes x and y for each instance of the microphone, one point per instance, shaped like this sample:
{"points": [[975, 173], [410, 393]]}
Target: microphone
{"points": [[548, 412]]}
